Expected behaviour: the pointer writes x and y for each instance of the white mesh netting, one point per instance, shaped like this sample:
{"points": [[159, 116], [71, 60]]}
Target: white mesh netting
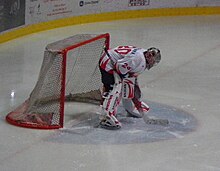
{"points": [[69, 71]]}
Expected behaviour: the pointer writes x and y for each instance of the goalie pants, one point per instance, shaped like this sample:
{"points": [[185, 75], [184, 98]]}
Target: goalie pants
{"points": [[108, 80]]}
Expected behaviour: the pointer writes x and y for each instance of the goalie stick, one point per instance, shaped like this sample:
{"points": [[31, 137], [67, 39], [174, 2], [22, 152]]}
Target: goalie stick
{"points": [[142, 107], [151, 121]]}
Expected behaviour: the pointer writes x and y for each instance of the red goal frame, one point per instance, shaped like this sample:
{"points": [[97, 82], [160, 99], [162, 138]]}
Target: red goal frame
{"points": [[13, 118]]}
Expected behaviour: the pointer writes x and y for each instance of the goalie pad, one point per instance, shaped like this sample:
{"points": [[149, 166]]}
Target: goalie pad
{"points": [[128, 85], [135, 107], [130, 108], [112, 98]]}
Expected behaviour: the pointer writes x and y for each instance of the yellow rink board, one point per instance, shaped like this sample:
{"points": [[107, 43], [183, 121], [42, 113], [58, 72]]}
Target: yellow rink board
{"points": [[109, 16]]}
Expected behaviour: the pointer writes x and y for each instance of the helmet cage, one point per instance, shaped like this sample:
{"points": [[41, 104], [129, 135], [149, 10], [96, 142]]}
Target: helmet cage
{"points": [[153, 57]]}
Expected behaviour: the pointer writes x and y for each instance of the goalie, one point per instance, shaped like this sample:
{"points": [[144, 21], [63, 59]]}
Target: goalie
{"points": [[119, 69]]}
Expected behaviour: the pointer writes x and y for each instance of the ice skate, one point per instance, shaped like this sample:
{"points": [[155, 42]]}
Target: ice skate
{"points": [[110, 122]]}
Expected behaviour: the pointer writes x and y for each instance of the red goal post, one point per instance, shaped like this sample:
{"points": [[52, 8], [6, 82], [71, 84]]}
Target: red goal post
{"points": [[69, 72]]}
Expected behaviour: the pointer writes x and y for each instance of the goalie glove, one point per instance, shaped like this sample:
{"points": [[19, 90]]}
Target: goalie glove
{"points": [[135, 108], [140, 105]]}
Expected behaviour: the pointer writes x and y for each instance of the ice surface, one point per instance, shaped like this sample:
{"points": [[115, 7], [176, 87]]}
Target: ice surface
{"points": [[82, 129]]}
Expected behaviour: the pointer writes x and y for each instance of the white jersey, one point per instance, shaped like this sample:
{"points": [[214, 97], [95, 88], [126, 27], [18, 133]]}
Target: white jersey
{"points": [[125, 60]]}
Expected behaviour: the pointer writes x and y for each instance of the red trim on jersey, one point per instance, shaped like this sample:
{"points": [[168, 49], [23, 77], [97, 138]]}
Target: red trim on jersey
{"points": [[102, 57], [103, 64]]}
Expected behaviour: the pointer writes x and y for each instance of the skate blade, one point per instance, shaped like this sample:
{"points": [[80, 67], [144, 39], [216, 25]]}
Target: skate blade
{"points": [[109, 127]]}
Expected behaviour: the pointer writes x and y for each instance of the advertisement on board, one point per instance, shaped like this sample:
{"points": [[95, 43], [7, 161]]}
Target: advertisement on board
{"points": [[15, 13], [12, 14]]}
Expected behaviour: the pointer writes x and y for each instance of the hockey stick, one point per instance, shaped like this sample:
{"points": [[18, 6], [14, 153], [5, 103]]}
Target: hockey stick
{"points": [[142, 106], [152, 121]]}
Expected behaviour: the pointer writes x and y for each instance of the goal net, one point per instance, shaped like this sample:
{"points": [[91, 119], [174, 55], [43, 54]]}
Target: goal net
{"points": [[70, 72]]}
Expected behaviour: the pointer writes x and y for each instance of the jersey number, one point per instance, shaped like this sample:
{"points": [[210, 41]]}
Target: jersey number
{"points": [[124, 50]]}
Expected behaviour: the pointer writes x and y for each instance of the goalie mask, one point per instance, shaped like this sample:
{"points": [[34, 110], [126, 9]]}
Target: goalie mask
{"points": [[152, 56]]}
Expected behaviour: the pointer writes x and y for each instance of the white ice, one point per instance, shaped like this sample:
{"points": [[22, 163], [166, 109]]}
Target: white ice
{"points": [[187, 78]]}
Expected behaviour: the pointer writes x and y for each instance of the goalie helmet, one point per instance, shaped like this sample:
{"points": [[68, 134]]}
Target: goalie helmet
{"points": [[152, 56]]}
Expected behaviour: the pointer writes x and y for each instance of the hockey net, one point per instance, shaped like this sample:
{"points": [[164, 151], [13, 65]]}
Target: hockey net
{"points": [[69, 72]]}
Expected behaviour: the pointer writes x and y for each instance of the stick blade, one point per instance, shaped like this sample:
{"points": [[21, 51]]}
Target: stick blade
{"points": [[163, 122]]}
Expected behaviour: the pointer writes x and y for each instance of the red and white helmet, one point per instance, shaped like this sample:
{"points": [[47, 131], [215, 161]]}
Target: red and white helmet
{"points": [[152, 56]]}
